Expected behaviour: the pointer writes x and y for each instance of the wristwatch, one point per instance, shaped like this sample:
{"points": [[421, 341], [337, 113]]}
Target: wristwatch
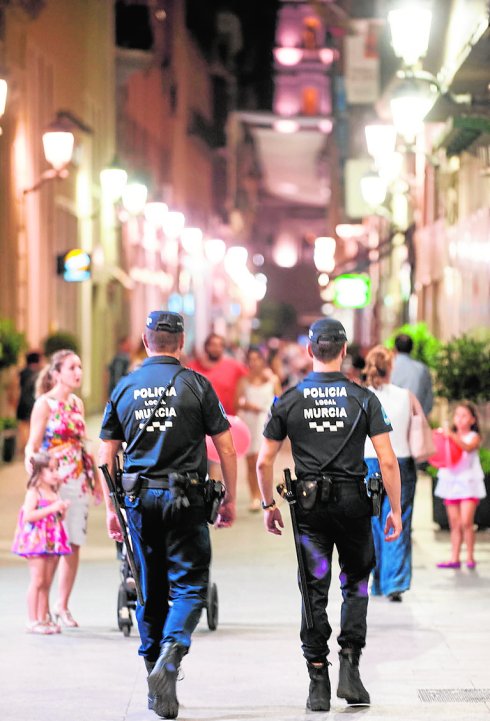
{"points": [[268, 506]]}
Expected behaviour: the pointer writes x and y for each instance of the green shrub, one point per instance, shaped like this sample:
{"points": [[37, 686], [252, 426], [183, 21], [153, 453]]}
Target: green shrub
{"points": [[463, 370], [11, 343], [60, 340], [425, 345]]}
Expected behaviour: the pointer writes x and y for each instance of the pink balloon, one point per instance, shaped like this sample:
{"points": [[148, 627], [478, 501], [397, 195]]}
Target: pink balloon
{"points": [[447, 452], [241, 439]]}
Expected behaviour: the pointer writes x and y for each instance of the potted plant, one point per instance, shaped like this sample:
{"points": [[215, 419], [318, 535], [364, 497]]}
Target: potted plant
{"points": [[8, 434]]}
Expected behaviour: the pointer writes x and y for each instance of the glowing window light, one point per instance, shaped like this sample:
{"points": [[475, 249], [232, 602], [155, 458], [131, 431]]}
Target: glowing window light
{"points": [[352, 290], [410, 31], [235, 263], [288, 56], [191, 239], [215, 250]]}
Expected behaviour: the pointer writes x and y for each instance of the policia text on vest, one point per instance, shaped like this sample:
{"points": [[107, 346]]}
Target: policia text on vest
{"points": [[163, 413], [327, 419]]}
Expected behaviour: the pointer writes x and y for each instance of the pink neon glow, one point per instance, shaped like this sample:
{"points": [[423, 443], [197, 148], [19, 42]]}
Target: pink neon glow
{"points": [[327, 55], [325, 125]]}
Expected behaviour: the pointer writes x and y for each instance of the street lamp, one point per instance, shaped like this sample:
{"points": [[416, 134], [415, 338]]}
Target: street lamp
{"points": [[410, 31], [58, 141], [113, 179], [3, 98], [373, 189], [411, 102], [156, 213], [380, 141], [134, 197]]}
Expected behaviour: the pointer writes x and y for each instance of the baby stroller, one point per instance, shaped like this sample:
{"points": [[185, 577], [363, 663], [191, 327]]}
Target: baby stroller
{"points": [[126, 596]]}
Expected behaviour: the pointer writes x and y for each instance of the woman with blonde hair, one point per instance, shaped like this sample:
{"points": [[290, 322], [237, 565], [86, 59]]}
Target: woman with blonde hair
{"points": [[58, 427], [393, 573]]}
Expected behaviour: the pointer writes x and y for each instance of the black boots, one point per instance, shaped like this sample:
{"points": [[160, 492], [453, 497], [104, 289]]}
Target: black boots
{"points": [[319, 694], [150, 665], [350, 684], [163, 679]]}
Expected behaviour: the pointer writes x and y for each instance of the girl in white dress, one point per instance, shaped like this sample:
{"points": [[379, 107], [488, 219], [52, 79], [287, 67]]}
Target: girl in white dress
{"points": [[462, 485], [255, 394]]}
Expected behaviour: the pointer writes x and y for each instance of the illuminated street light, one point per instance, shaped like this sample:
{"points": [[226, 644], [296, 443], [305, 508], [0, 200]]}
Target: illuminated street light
{"points": [[215, 250], [286, 125], [373, 189], [134, 197], [113, 180], [380, 141], [3, 98], [156, 213], [410, 31], [411, 102], [191, 239], [288, 56], [323, 254], [58, 141], [173, 224]]}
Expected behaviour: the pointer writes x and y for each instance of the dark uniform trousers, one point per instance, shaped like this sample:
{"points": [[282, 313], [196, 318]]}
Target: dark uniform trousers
{"points": [[172, 552], [344, 521]]}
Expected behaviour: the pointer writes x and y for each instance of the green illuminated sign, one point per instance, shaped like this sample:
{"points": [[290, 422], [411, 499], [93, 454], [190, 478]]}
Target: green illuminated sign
{"points": [[352, 290]]}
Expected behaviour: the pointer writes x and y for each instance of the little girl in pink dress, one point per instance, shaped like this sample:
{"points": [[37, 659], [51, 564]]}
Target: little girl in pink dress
{"points": [[40, 537]]}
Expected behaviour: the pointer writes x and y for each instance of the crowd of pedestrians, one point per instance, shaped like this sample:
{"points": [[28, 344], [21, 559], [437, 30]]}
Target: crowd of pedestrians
{"points": [[260, 386]]}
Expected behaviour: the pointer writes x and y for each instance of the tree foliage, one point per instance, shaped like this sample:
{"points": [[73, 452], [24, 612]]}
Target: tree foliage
{"points": [[425, 345]]}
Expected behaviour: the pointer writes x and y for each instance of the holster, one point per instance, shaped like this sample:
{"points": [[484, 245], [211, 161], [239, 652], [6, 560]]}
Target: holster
{"points": [[131, 483], [306, 494], [214, 492], [374, 489]]}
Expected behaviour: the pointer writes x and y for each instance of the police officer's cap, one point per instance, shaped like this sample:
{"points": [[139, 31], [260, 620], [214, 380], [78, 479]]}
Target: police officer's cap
{"points": [[327, 329], [165, 320]]}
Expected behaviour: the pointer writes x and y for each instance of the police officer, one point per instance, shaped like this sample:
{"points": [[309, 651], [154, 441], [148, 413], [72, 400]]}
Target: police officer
{"points": [[169, 533], [327, 418]]}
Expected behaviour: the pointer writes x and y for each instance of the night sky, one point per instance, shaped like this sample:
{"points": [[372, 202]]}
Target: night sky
{"points": [[254, 63]]}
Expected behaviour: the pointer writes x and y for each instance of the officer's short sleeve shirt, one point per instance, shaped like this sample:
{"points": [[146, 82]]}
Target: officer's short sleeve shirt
{"points": [[174, 439], [318, 415]]}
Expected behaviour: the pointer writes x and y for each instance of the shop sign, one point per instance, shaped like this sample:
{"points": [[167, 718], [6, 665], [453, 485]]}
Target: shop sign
{"points": [[74, 266], [352, 290]]}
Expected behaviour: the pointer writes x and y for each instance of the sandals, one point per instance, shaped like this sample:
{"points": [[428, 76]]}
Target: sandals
{"points": [[65, 617], [40, 628]]}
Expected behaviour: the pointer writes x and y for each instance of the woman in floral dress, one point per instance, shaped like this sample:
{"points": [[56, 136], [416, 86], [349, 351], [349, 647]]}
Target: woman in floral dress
{"points": [[58, 426]]}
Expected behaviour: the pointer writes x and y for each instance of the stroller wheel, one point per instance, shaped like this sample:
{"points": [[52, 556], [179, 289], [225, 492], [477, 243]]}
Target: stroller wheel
{"points": [[212, 607], [126, 630], [123, 614]]}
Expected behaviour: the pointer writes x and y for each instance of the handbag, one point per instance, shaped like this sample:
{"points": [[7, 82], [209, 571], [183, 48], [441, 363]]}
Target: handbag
{"points": [[420, 439]]}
